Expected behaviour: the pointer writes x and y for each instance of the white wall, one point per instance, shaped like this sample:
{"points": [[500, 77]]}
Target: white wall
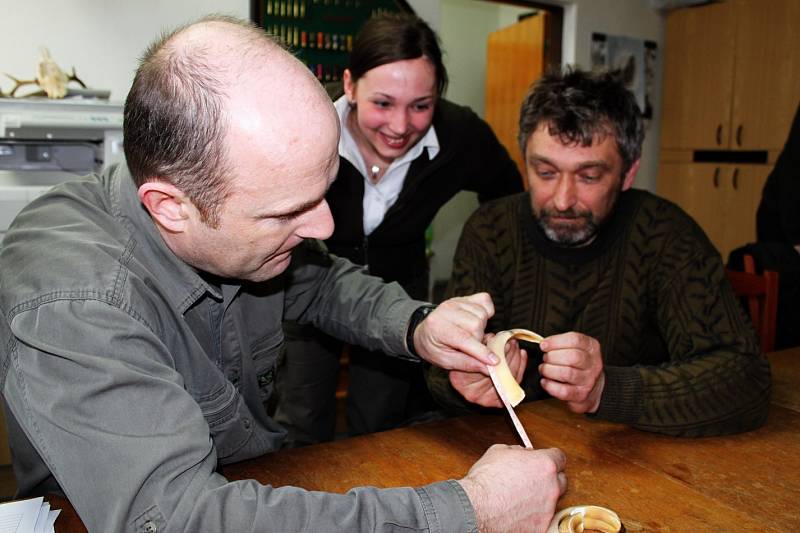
{"points": [[101, 39]]}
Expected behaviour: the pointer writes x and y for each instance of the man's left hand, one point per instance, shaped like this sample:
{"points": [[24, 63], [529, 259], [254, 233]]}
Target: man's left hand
{"points": [[478, 388], [572, 370], [450, 337]]}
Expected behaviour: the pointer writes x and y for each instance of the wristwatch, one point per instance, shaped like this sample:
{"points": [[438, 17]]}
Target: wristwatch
{"points": [[416, 319]]}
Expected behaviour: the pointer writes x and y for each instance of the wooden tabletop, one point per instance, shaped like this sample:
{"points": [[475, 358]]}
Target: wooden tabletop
{"points": [[747, 482]]}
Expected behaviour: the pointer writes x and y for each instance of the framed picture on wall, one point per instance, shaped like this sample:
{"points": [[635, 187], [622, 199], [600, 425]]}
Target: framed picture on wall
{"points": [[634, 58]]}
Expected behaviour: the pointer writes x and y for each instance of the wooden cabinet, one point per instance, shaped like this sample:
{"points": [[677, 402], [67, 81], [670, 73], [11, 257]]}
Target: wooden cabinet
{"points": [[731, 87], [722, 198], [731, 75], [698, 69]]}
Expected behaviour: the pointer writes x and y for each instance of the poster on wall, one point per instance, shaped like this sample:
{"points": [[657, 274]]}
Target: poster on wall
{"points": [[636, 61]]}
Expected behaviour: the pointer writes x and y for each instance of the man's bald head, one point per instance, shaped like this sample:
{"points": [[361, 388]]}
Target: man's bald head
{"points": [[177, 111]]}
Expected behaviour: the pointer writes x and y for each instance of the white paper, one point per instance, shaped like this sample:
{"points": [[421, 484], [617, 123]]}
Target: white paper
{"points": [[27, 516]]}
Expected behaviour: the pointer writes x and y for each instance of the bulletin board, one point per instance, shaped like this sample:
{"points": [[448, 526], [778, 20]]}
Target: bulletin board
{"points": [[320, 32], [635, 59]]}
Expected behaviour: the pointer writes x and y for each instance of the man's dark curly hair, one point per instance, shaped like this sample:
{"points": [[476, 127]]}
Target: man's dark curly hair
{"points": [[576, 106]]}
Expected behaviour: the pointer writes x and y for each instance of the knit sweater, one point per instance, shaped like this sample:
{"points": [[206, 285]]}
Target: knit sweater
{"points": [[680, 356]]}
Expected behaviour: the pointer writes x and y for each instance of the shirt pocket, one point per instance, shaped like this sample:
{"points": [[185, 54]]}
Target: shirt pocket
{"points": [[228, 420], [266, 352]]}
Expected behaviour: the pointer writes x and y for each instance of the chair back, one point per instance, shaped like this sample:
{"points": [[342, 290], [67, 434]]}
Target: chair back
{"points": [[761, 293]]}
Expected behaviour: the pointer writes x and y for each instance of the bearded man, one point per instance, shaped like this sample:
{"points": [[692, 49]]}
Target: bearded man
{"points": [[641, 326]]}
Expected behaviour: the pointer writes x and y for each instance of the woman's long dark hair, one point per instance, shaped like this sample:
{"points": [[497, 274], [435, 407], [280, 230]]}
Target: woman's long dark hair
{"points": [[391, 37]]}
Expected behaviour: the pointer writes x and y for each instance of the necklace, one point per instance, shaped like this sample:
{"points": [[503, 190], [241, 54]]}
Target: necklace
{"points": [[375, 170]]}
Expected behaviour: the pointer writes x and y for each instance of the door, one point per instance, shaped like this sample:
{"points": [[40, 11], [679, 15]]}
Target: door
{"points": [[698, 189], [514, 60], [698, 77], [767, 78], [742, 186]]}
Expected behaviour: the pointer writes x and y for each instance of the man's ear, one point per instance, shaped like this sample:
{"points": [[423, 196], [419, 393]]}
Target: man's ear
{"points": [[349, 86], [168, 205], [627, 183]]}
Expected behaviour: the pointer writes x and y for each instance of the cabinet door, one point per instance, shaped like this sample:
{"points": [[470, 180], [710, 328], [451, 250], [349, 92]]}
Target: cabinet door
{"points": [[741, 186], [697, 188], [698, 77], [767, 75]]}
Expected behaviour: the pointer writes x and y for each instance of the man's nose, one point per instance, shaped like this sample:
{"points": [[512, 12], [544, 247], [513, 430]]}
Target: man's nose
{"points": [[564, 197], [318, 223]]}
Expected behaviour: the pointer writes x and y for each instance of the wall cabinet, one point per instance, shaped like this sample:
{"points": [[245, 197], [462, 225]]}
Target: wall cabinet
{"points": [[731, 75], [722, 198], [731, 86]]}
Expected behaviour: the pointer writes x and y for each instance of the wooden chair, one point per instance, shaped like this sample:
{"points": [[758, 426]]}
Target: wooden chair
{"points": [[761, 293]]}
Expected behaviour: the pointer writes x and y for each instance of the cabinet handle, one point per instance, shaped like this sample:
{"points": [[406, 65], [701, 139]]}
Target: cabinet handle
{"points": [[736, 178], [719, 134], [716, 178], [739, 135]]}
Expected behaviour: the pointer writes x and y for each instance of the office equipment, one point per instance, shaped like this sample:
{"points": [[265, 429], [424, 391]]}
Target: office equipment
{"points": [[45, 142]]}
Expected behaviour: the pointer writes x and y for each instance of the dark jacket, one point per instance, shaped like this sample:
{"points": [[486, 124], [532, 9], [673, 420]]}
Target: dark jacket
{"points": [[778, 217], [470, 158]]}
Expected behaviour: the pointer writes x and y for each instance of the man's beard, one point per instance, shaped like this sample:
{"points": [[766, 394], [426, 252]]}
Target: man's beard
{"points": [[580, 231]]}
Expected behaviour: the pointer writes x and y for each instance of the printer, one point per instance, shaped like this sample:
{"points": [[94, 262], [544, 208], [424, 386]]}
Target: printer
{"points": [[45, 142]]}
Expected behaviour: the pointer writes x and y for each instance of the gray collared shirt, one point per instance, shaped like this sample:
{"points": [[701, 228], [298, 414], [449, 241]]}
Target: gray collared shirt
{"points": [[128, 376]]}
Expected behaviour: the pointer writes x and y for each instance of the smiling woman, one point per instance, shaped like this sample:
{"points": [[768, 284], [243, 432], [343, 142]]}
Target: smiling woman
{"points": [[405, 151]]}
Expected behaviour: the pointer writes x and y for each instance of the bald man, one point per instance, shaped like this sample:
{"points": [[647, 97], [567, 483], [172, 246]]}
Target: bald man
{"points": [[142, 310]]}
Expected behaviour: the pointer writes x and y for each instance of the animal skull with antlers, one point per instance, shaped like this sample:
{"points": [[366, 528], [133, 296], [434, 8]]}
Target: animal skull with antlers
{"points": [[51, 79]]}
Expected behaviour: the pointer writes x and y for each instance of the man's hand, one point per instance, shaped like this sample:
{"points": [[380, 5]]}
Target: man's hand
{"points": [[514, 489], [572, 370], [450, 337], [478, 388]]}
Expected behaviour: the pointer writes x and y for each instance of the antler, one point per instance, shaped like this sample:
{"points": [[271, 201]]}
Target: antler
{"points": [[19, 83], [50, 78], [74, 77]]}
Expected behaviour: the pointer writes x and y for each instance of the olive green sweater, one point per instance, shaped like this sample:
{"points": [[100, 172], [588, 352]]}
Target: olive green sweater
{"points": [[680, 355]]}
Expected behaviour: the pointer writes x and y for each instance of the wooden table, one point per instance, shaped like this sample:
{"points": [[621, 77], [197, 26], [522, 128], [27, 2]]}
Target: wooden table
{"points": [[748, 482]]}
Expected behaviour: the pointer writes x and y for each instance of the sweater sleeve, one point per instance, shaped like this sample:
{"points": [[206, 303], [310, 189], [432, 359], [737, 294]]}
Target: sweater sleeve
{"points": [[716, 381]]}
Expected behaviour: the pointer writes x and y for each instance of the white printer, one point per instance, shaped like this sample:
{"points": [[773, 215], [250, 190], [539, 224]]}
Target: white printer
{"points": [[44, 142]]}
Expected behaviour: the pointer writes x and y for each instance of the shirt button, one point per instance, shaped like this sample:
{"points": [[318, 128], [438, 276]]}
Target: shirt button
{"points": [[150, 527], [246, 423]]}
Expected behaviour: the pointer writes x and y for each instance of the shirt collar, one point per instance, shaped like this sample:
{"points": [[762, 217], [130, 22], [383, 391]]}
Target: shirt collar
{"points": [[349, 149], [182, 283]]}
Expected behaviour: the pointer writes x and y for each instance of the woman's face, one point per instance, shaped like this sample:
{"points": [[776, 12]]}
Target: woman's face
{"points": [[394, 106]]}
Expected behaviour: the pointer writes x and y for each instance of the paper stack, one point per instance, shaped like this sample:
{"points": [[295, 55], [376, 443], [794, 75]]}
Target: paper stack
{"points": [[27, 516]]}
